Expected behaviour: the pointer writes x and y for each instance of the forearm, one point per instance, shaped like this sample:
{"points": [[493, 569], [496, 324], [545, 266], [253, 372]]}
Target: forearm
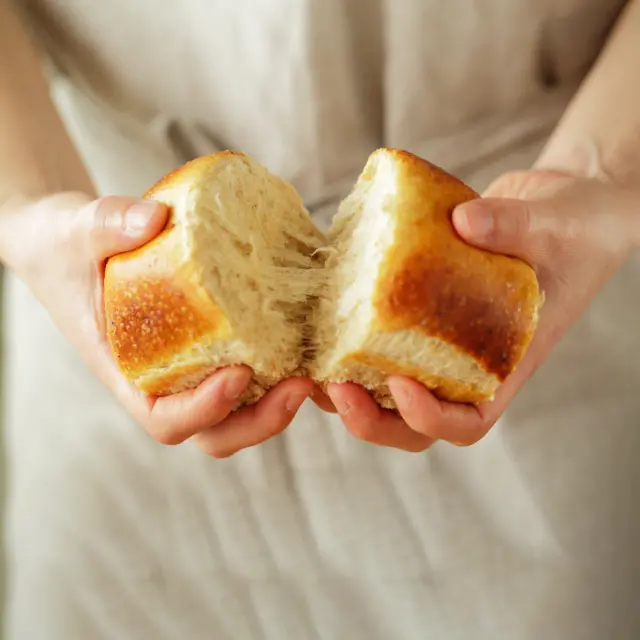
{"points": [[37, 157], [599, 134]]}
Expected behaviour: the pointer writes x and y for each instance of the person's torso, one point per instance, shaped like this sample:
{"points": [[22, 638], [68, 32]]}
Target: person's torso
{"points": [[530, 534], [310, 87]]}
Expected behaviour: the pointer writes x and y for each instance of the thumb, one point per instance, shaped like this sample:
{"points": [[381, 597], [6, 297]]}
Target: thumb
{"points": [[114, 224], [520, 228]]}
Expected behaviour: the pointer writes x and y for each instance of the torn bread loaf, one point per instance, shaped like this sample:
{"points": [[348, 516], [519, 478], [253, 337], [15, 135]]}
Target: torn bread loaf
{"points": [[409, 297], [241, 275], [227, 282]]}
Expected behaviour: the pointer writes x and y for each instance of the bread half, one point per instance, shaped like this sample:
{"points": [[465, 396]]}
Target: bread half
{"points": [[409, 297], [227, 282]]}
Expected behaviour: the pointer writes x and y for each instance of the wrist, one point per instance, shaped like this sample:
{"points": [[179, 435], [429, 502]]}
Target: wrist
{"points": [[582, 160], [587, 157], [585, 161]]}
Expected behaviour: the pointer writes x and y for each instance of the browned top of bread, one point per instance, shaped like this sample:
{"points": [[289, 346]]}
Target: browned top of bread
{"points": [[188, 174], [155, 305], [156, 308], [432, 281]]}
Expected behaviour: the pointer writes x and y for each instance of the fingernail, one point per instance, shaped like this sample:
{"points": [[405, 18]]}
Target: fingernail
{"points": [[401, 392], [473, 221], [342, 406], [294, 401], [234, 384], [138, 216]]}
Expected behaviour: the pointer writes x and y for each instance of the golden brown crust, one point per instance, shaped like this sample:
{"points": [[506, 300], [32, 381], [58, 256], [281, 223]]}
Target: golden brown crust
{"points": [[188, 172], [443, 388], [155, 307], [432, 281], [177, 378]]}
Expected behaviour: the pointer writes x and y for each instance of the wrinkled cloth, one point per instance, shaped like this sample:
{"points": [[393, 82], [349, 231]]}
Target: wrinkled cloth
{"points": [[530, 534]]}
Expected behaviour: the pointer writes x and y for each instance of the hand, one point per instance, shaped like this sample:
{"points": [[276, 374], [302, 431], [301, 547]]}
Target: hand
{"points": [[575, 232], [58, 246]]}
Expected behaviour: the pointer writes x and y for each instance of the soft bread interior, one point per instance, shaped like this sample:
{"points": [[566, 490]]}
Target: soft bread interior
{"points": [[360, 235], [350, 346], [255, 247]]}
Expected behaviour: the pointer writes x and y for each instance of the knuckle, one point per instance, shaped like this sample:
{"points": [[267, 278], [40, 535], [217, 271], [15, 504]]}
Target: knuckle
{"points": [[219, 454], [525, 221], [475, 437], [277, 428], [444, 430], [166, 434], [463, 441], [105, 213], [418, 448], [364, 430], [421, 427], [102, 219], [466, 438], [274, 422], [216, 450], [573, 229], [87, 224], [517, 223]]}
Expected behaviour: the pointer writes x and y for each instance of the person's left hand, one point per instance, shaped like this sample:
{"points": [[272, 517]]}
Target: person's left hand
{"points": [[575, 232]]}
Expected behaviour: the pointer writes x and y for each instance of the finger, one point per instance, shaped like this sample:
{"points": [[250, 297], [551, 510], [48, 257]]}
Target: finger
{"points": [[519, 228], [322, 400], [252, 425], [173, 419], [456, 423], [113, 225], [365, 420], [555, 220]]}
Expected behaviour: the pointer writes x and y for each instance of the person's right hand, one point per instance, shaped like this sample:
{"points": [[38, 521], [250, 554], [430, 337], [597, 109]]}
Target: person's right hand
{"points": [[58, 246]]}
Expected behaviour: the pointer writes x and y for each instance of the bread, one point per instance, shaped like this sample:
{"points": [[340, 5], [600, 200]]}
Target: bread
{"points": [[227, 282], [241, 275], [410, 298]]}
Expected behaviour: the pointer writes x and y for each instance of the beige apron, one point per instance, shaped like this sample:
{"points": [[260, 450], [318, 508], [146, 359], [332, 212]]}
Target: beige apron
{"points": [[532, 534]]}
